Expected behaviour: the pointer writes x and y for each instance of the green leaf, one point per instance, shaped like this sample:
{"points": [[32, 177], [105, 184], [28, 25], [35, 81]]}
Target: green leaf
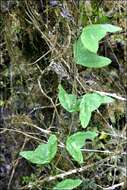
{"points": [[68, 101], [44, 153], [84, 116], [68, 184], [85, 48], [77, 141], [86, 58], [92, 34], [90, 102], [106, 99]]}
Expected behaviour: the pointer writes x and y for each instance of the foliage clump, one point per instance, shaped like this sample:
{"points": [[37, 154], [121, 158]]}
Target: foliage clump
{"points": [[60, 109]]}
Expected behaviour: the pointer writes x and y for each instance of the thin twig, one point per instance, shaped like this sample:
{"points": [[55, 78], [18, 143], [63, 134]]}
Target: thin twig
{"points": [[50, 99], [35, 126], [21, 132], [114, 186], [112, 95], [41, 57], [15, 165], [97, 151], [42, 107]]}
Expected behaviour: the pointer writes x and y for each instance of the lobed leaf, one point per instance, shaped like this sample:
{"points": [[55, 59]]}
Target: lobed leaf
{"points": [[92, 34], [86, 47], [84, 116], [77, 141], [68, 184], [90, 102], [68, 101], [87, 58], [44, 153]]}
